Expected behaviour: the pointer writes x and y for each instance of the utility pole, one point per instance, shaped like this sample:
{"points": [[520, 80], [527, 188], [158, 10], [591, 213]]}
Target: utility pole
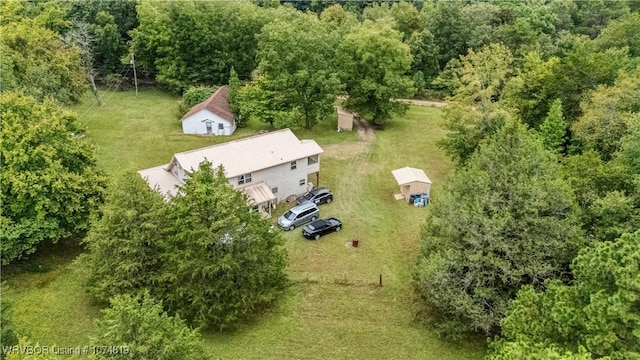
{"points": [[135, 77]]}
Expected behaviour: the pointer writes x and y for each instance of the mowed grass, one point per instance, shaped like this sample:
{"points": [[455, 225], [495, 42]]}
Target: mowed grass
{"points": [[49, 304], [138, 132], [335, 307]]}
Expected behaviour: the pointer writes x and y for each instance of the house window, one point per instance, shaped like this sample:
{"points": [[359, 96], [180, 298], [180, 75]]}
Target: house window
{"points": [[312, 159], [220, 126], [294, 165], [274, 190], [303, 181], [244, 179]]}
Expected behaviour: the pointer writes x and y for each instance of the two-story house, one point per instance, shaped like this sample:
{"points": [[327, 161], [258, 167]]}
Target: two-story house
{"points": [[269, 167]]}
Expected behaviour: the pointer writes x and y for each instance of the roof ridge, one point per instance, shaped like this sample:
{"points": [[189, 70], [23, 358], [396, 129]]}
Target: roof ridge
{"points": [[235, 141], [206, 104]]}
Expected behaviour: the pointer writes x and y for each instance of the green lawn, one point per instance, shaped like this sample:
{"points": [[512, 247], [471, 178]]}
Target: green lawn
{"points": [[138, 132], [334, 309]]}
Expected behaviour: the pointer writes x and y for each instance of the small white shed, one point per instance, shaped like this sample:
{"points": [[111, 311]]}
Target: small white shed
{"points": [[211, 117], [411, 181], [345, 119]]}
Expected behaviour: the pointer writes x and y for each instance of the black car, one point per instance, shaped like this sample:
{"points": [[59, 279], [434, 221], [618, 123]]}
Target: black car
{"points": [[318, 196], [321, 227]]}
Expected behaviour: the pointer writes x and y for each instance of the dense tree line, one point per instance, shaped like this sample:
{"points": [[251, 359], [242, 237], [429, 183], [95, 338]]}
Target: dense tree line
{"points": [[573, 84], [559, 49]]}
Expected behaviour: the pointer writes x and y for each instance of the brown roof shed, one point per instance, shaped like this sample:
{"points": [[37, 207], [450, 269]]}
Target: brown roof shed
{"points": [[217, 103]]}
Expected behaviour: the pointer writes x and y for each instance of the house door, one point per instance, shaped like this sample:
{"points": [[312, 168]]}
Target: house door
{"points": [[209, 127], [220, 129]]}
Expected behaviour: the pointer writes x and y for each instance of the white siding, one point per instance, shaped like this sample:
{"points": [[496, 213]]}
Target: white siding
{"points": [[281, 176], [197, 124]]}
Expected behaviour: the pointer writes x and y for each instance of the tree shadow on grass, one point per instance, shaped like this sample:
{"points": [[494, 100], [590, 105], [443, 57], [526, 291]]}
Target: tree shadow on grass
{"points": [[48, 256]]}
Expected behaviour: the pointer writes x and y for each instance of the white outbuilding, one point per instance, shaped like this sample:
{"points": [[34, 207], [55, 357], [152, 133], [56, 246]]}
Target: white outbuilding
{"points": [[212, 116], [411, 181]]}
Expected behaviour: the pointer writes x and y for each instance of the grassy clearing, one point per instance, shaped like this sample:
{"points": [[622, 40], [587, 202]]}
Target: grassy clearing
{"points": [[334, 308], [138, 132], [49, 302]]}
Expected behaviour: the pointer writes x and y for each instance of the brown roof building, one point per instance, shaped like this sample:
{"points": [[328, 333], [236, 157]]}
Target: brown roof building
{"points": [[212, 116]]}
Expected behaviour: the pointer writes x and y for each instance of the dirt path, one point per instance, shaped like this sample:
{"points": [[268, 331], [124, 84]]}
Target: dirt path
{"points": [[365, 131], [423, 102], [358, 156]]}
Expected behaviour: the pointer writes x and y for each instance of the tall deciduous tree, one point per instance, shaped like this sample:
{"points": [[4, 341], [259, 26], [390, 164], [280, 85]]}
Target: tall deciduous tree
{"points": [[339, 19], [424, 53], [578, 68], [450, 29], [79, 36], [592, 16], [296, 60], [142, 330], [629, 154], [446, 22], [553, 129], [109, 24], [613, 214], [504, 220], [474, 113], [109, 46], [622, 32], [257, 100], [604, 192], [224, 263], [187, 43], [50, 183], [582, 68], [607, 112], [529, 93], [374, 66], [483, 75], [405, 16], [36, 62], [482, 20], [125, 244], [598, 314]]}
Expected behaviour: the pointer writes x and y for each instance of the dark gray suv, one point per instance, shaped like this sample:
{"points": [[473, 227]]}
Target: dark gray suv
{"points": [[317, 196]]}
